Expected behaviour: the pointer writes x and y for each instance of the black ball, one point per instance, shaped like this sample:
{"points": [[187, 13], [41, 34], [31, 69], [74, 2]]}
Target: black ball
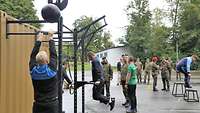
{"points": [[51, 13]]}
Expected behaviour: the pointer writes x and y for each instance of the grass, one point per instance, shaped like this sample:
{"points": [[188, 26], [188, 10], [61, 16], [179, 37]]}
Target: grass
{"points": [[87, 66]]}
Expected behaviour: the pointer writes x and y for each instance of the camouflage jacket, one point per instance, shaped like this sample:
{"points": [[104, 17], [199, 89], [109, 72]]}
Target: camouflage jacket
{"points": [[155, 69], [148, 67], [164, 66], [124, 71], [108, 72]]}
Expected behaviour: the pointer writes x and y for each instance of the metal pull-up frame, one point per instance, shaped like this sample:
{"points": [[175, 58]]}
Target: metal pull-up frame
{"points": [[77, 43], [60, 37]]}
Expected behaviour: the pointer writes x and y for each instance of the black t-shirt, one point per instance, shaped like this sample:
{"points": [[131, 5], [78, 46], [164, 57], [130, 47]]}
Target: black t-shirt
{"points": [[119, 66]]}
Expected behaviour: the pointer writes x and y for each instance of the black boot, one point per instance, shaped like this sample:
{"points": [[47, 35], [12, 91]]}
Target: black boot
{"points": [[112, 104]]}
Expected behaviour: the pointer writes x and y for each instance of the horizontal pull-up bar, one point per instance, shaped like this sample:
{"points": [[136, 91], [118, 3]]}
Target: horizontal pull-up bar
{"points": [[31, 33], [26, 21], [63, 38], [62, 41], [32, 21]]}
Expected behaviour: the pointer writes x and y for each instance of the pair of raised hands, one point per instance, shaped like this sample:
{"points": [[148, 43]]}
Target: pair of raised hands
{"points": [[42, 37]]}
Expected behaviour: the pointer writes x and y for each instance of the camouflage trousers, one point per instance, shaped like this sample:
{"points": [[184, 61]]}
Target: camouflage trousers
{"points": [[155, 77]]}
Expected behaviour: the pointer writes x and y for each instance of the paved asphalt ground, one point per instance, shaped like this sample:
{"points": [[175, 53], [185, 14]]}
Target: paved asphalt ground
{"points": [[148, 101]]}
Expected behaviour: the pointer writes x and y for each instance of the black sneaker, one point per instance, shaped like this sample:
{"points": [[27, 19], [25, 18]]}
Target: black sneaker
{"points": [[124, 103], [188, 86], [155, 90], [131, 111], [112, 104], [163, 89]]}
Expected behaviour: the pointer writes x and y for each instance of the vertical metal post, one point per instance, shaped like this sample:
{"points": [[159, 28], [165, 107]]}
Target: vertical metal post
{"points": [[75, 69], [174, 28], [83, 74], [60, 35], [7, 28], [177, 50]]}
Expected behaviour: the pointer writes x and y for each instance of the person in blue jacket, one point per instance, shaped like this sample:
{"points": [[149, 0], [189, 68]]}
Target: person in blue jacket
{"points": [[43, 71], [183, 66]]}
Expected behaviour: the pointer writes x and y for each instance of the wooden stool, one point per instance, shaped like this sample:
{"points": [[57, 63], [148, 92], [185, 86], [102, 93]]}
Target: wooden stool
{"points": [[195, 97], [175, 89]]}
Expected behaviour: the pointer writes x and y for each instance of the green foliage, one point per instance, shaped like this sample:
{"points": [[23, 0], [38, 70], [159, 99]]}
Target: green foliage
{"points": [[138, 31], [20, 9], [87, 66], [101, 39], [147, 35], [189, 27]]}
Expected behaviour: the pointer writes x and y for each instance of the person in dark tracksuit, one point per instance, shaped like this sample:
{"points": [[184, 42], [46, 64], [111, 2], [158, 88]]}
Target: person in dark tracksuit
{"points": [[183, 66], [97, 75], [108, 75], [44, 78]]}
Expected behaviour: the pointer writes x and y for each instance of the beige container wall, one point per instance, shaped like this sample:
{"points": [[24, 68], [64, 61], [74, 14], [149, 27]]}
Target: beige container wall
{"points": [[16, 91]]}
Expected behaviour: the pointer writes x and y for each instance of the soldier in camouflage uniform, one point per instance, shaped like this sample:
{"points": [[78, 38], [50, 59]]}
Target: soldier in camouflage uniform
{"points": [[147, 71], [170, 67], [155, 72], [124, 71], [108, 75], [164, 66], [139, 70]]}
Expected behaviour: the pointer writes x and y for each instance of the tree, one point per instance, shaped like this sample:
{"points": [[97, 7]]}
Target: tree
{"points": [[20, 9], [101, 39], [185, 18], [189, 26], [139, 30], [160, 34]]}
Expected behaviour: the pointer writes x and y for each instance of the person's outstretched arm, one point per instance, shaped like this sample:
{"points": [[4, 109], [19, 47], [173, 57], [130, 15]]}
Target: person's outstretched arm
{"points": [[53, 55], [66, 77], [189, 62], [34, 52]]}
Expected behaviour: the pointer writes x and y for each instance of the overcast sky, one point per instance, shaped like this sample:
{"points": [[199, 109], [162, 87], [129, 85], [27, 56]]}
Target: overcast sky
{"points": [[113, 9]]}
